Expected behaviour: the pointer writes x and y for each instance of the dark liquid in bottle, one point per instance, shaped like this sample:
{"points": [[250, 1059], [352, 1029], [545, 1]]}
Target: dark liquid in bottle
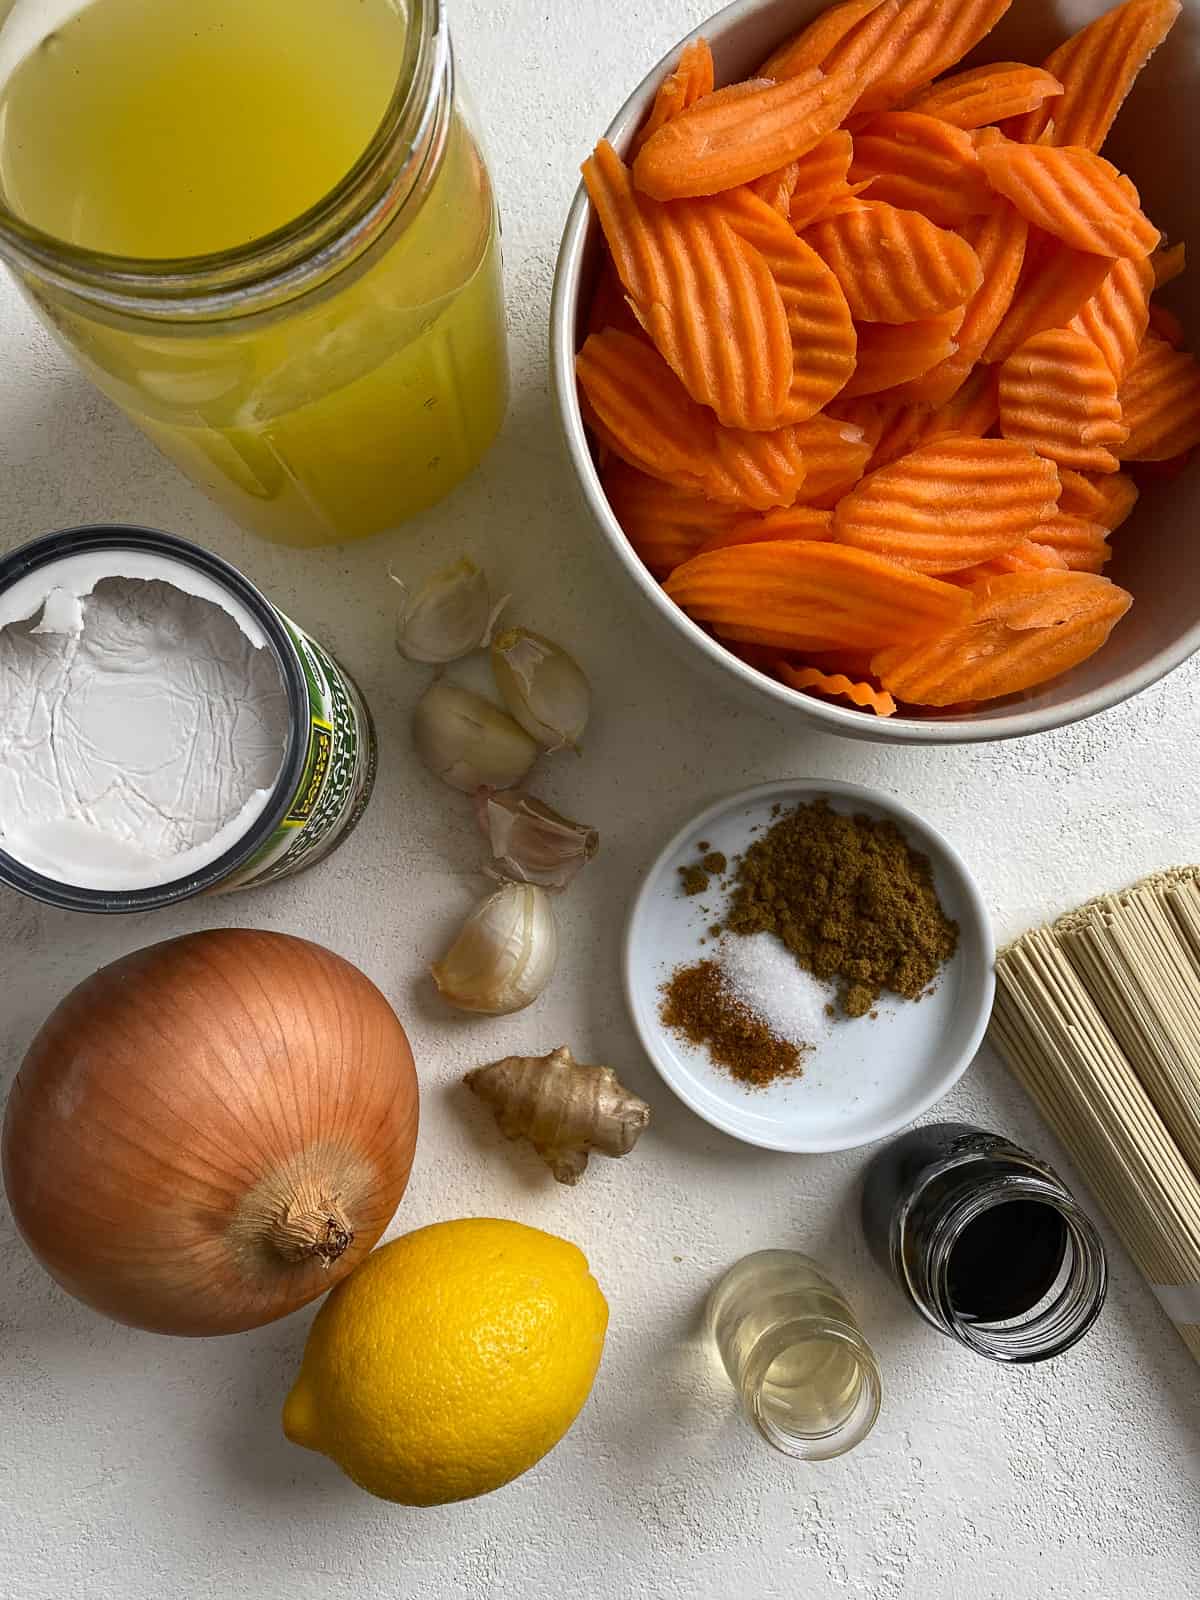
{"points": [[1006, 1261]]}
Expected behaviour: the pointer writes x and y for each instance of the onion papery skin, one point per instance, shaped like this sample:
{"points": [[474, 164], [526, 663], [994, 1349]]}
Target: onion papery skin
{"points": [[211, 1132]]}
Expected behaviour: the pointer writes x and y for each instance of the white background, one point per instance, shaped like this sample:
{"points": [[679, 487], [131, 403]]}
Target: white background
{"points": [[148, 1469]]}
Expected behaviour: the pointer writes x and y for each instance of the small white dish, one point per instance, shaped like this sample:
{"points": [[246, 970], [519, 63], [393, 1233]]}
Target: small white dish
{"points": [[865, 1078]]}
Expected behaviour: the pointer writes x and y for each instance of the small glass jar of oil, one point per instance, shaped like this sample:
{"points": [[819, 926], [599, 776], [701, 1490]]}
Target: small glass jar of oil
{"points": [[265, 229], [806, 1377]]}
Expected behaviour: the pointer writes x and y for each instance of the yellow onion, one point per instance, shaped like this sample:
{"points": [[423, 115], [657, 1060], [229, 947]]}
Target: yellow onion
{"points": [[211, 1132]]}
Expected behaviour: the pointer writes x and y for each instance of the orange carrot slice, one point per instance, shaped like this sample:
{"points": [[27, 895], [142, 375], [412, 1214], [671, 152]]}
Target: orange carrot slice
{"points": [[999, 241], [741, 133], [981, 95], [789, 522], [691, 80], [1058, 395], [950, 504], [1105, 498], [794, 590], [821, 330], [664, 524], [1082, 546], [1097, 68], [891, 353], [1026, 628], [636, 405], [895, 265], [1055, 283], [926, 38], [820, 177], [1116, 317], [897, 428], [778, 187], [1163, 322], [835, 457], [811, 46], [1160, 400], [1075, 195], [1168, 262], [922, 164], [837, 684], [707, 299], [756, 470]]}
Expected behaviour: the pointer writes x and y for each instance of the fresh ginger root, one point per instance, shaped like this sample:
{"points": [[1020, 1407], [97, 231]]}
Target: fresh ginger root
{"points": [[564, 1108]]}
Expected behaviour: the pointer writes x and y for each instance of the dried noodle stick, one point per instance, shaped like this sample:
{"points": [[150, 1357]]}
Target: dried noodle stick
{"points": [[1099, 1018]]}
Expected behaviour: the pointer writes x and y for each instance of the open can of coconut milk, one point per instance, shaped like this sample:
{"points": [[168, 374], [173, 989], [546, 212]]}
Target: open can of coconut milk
{"points": [[165, 731]]}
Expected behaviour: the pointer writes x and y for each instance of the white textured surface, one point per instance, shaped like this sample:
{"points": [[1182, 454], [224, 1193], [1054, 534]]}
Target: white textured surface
{"points": [[144, 1469]]}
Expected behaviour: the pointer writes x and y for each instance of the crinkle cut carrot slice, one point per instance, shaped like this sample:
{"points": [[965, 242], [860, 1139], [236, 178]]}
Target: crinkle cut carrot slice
{"points": [[785, 592], [664, 524], [892, 353], [1082, 546], [811, 46], [1168, 262], [1055, 283], [690, 80], [924, 39], [1160, 400], [788, 522], [777, 188], [1075, 195], [999, 241], [897, 427], [1058, 395], [949, 504], [823, 341], [1026, 628], [740, 133], [1106, 498], [1116, 317], [895, 265], [837, 684], [820, 177], [705, 297], [757, 470], [1097, 68], [982, 95], [835, 457], [636, 405], [922, 164]]}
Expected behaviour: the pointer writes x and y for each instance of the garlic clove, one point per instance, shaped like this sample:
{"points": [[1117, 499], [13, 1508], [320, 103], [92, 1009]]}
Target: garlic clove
{"points": [[543, 687], [505, 954], [467, 741], [448, 617], [531, 842]]}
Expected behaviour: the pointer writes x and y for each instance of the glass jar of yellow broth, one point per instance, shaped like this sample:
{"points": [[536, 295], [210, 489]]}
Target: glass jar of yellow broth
{"points": [[265, 229]]}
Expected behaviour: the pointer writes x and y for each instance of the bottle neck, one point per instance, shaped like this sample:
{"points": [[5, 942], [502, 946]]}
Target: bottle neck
{"points": [[391, 177], [1068, 1300]]}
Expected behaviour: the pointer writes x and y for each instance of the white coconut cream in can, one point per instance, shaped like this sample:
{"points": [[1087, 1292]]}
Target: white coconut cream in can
{"points": [[164, 730]]}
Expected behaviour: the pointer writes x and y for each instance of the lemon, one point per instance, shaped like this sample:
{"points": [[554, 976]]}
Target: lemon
{"points": [[450, 1361]]}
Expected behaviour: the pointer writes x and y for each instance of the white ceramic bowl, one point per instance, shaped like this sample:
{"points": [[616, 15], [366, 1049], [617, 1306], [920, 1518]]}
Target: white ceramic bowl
{"points": [[1156, 553], [865, 1077]]}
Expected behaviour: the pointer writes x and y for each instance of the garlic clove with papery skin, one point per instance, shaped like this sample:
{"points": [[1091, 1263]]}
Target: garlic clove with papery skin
{"points": [[467, 741], [448, 617], [543, 686], [530, 841], [505, 954]]}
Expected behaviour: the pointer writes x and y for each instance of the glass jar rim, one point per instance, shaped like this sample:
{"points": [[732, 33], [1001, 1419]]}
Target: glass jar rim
{"points": [[299, 253], [837, 1440], [1077, 1302]]}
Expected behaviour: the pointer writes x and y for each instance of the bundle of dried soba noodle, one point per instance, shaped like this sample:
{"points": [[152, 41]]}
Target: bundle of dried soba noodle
{"points": [[1099, 1018]]}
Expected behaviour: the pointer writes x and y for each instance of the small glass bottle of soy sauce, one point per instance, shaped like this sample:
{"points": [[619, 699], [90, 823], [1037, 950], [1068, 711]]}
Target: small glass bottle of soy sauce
{"points": [[986, 1241]]}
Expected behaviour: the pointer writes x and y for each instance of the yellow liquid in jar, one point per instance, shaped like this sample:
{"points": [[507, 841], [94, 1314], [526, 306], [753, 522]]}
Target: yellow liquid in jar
{"points": [[164, 128]]}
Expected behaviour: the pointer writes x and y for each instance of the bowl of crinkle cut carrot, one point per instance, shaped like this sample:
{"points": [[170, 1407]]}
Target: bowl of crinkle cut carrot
{"points": [[872, 341]]}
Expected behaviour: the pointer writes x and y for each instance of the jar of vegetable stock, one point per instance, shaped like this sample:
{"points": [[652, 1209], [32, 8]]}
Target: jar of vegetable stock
{"points": [[265, 229], [986, 1241]]}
